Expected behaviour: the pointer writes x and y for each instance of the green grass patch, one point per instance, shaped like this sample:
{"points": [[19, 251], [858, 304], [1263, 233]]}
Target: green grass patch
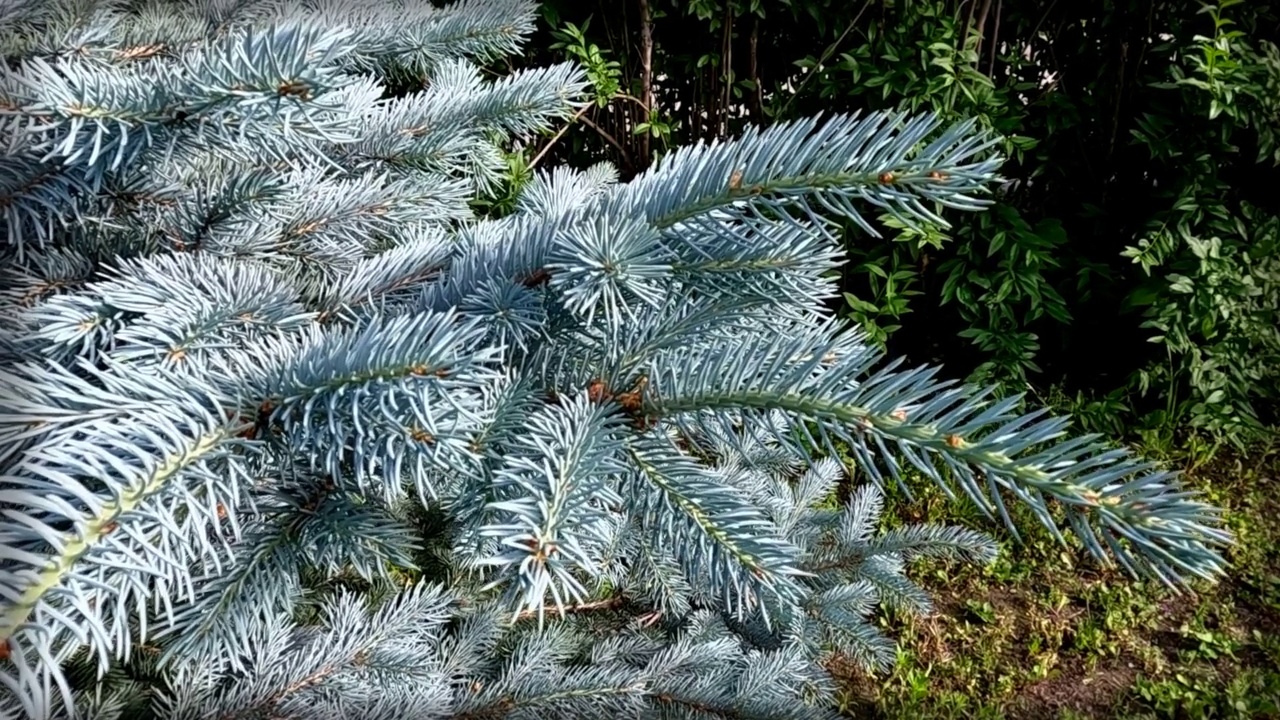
{"points": [[1045, 632]]}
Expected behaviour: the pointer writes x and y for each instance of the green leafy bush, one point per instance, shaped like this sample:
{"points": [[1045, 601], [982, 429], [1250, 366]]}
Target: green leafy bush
{"points": [[1141, 141]]}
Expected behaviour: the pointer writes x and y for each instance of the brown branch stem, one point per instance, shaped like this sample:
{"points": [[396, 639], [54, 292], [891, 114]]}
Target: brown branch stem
{"points": [[556, 138], [606, 604], [626, 157], [826, 55]]}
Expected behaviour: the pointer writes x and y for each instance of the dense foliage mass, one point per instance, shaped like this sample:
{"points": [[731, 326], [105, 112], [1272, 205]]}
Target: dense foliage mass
{"points": [[289, 431], [1137, 205]]}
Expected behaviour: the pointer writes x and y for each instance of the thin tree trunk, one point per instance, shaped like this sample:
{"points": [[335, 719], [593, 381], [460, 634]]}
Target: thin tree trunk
{"points": [[995, 40], [646, 76], [981, 27], [968, 21], [727, 74], [757, 96]]}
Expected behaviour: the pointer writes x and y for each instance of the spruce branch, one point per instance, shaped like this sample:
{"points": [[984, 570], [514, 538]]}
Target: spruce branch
{"points": [[720, 536], [888, 160], [784, 168], [413, 40], [552, 487], [97, 521], [1149, 523]]}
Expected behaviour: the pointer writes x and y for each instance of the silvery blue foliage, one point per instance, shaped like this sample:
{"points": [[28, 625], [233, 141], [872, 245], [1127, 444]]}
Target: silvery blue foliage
{"points": [[287, 431]]}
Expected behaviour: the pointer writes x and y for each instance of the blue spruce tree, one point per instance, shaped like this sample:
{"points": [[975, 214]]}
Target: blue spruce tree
{"points": [[287, 431]]}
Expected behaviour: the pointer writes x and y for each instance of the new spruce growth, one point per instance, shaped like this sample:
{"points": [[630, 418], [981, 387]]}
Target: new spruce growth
{"points": [[287, 431]]}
